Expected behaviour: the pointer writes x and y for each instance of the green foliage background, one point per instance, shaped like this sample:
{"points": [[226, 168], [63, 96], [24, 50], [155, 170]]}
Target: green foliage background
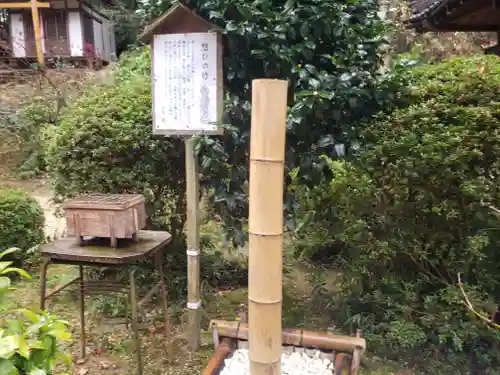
{"points": [[412, 211]]}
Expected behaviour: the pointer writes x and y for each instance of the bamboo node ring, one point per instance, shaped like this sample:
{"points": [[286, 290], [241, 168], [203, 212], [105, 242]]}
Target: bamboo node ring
{"points": [[262, 234], [266, 302], [264, 160], [193, 305], [193, 252]]}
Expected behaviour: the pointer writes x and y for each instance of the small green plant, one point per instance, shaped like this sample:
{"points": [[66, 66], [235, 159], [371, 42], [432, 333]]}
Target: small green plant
{"points": [[29, 340], [5, 269]]}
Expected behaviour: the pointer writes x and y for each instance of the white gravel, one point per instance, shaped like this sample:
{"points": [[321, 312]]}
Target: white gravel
{"points": [[291, 364]]}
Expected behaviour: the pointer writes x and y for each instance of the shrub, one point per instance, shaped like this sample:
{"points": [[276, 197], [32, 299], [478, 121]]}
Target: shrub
{"points": [[28, 123], [105, 144], [415, 213], [316, 237], [21, 222]]}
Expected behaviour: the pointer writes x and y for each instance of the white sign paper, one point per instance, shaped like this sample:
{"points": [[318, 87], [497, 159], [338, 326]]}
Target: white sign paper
{"points": [[185, 83]]}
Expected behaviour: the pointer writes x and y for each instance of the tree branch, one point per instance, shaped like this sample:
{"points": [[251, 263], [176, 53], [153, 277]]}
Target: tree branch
{"points": [[471, 307]]}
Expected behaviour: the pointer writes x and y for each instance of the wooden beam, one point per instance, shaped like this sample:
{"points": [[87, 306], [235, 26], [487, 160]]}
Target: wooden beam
{"points": [[443, 28], [456, 11], [37, 32], [26, 5]]}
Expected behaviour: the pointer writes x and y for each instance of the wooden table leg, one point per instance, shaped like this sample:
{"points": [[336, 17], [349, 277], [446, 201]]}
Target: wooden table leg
{"points": [[82, 315], [43, 283], [135, 328], [163, 291]]}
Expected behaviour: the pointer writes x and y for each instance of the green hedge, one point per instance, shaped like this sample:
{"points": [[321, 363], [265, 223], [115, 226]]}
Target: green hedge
{"points": [[414, 211], [408, 213], [21, 222]]}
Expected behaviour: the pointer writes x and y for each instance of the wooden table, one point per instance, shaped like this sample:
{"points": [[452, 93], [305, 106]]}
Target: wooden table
{"points": [[94, 253]]}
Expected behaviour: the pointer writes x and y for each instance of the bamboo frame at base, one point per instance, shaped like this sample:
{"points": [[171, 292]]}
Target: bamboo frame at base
{"points": [[267, 155], [295, 337], [346, 350]]}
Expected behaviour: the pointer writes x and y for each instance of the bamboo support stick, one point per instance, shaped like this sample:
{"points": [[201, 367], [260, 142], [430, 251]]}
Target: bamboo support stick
{"points": [[267, 155], [193, 244]]}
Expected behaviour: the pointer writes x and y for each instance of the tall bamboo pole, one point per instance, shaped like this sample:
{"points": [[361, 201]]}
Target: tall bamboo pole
{"points": [[193, 244], [37, 32], [267, 155]]}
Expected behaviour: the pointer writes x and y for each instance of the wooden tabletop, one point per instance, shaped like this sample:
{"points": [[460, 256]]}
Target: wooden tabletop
{"points": [[98, 251]]}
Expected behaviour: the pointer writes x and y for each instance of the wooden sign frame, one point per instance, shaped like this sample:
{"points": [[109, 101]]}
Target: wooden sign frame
{"points": [[180, 20]]}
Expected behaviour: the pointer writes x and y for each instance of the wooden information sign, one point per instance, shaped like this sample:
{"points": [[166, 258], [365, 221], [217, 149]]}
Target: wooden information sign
{"points": [[187, 100], [187, 95]]}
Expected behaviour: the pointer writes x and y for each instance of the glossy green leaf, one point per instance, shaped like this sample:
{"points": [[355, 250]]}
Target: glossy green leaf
{"points": [[9, 345], [35, 344], [7, 367], [60, 334], [18, 271], [30, 315], [8, 251], [24, 348], [3, 266], [304, 30]]}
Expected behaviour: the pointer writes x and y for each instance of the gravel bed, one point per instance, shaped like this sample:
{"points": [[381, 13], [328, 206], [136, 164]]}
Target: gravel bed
{"points": [[291, 364]]}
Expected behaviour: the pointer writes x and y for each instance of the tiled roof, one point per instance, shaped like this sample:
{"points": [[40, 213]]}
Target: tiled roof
{"points": [[422, 8]]}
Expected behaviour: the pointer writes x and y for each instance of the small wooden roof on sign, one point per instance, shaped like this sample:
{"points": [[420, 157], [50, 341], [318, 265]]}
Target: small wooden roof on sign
{"points": [[178, 20]]}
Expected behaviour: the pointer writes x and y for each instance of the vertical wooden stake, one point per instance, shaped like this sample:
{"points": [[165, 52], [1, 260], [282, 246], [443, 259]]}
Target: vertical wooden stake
{"points": [[193, 244], [267, 155], [37, 32]]}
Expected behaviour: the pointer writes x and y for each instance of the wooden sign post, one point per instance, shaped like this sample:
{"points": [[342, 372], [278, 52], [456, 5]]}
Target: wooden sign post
{"points": [[187, 101]]}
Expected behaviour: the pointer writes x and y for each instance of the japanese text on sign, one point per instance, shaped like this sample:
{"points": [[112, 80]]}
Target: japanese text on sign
{"points": [[185, 87]]}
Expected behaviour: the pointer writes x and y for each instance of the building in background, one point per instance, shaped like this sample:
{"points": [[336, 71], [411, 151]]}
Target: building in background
{"points": [[457, 15], [71, 31]]}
